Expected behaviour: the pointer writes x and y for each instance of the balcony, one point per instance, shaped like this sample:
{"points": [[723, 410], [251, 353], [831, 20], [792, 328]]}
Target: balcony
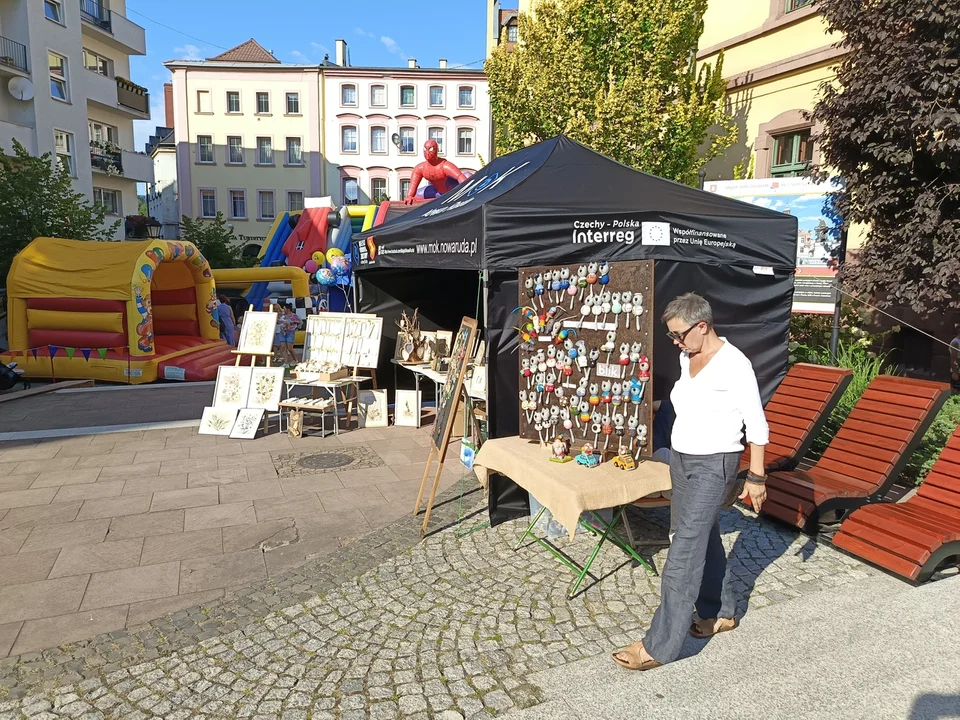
{"points": [[9, 132], [106, 158], [117, 95], [112, 29], [133, 96], [13, 57], [137, 166]]}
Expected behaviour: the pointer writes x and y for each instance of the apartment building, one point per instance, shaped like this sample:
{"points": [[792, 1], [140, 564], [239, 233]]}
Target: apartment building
{"points": [[65, 69], [377, 120], [503, 28]]}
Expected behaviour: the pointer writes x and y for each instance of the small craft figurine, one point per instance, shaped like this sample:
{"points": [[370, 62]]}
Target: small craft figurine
{"points": [[586, 456], [592, 276], [604, 271], [560, 450], [610, 344], [555, 285], [581, 283], [616, 308], [637, 308], [627, 310], [564, 284], [623, 460], [643, 369], [528, 287]]}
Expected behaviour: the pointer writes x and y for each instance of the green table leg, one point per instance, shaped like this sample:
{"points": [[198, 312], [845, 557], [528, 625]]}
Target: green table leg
{"points": [[614, 538], [529, 528]]}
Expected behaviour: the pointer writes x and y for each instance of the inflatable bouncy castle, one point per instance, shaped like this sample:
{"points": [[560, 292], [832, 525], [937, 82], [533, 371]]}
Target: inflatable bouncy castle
{"points": [[118, 311]]}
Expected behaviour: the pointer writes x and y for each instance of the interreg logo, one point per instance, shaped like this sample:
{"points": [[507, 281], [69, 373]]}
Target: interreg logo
{"points": [[595, 231], [466, 192]]}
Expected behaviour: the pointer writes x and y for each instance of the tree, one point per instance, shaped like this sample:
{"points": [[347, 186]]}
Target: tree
{"points": [[215, 240], [617, 75], [891, 131], [37, 199]]}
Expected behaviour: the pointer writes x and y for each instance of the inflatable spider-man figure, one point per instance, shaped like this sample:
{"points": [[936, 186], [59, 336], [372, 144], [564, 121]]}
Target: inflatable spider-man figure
{"points": [[442, 174]]}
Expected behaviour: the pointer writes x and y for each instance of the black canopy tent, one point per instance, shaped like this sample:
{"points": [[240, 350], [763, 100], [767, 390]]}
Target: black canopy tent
{"points": [[560, 203]]}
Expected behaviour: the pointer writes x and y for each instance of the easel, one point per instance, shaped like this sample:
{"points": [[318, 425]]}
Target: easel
{"points": [[460, 357], [253, 361]]}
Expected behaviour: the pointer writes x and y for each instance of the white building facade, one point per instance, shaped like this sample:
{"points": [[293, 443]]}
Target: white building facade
{"points": [[69, 61]]}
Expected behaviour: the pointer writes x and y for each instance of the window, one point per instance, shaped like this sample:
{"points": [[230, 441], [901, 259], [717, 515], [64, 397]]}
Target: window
{"points": [[796, 4], [408, 140], [348, 94], [436, 133], [103, 133], [348, 139], [436, 96], [208, 203], [204, 104], [110, 199], [378, 189], [792, 154], [263, 103], [512, 33], [378, 96], [235, 150], [58, 76], [238, 204], [233, 101], [264, 151], [293, 103], [267, 211], [53, 11], [96, 63], [465, 99], [205, 148], [465, 141], [294, 151], [404, 188], [294, 200], [351, 191], [378, 140], [63, 141], [408, 96]]}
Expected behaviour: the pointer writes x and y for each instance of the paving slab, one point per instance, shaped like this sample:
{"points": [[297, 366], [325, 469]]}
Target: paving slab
{"points": [[27, 567], [79, 532], [181, 546], [220, 571], [135, 584], [46, 598], [39, 634], [184, 498], [98, 557]]}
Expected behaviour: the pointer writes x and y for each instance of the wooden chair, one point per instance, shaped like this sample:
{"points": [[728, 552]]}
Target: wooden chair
{"points": [[798, 411], [864, 459], [914, 538]]}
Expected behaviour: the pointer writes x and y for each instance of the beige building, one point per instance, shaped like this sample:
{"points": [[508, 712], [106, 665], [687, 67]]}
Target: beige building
{"points": [[65, 69]]}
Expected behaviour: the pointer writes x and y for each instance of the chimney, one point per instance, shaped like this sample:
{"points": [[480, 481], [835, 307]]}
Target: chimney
{"points": [[443, 63], [411, 63], [342, 53], [168, 104]]}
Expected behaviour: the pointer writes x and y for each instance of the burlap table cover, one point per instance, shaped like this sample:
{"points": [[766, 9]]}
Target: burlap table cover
{"points": [[567, 489]]}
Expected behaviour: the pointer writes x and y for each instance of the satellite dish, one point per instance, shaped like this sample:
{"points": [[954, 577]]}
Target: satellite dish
{"points": [[20, 88]]}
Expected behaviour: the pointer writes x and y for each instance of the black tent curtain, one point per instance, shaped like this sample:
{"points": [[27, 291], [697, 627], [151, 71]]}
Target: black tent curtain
{"points": [[740, 257]]}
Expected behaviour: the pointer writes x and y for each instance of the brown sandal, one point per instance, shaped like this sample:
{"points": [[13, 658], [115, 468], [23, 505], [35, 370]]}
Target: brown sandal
{"points": [[708, 627], [633, 662]]}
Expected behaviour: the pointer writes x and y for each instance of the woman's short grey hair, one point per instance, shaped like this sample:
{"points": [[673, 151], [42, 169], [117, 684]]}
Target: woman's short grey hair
{"points": [[689, 307]]}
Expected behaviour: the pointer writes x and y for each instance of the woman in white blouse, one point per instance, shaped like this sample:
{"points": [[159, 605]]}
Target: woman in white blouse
{"points": [[715, 398]]}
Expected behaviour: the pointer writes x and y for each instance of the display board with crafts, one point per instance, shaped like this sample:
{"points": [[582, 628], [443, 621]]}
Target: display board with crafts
{"points": [[586, 351], [350, 340]]}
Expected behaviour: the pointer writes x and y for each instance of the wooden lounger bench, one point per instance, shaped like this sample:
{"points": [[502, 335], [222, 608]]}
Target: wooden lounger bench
{"points": [[914, 538], [864, 459]]}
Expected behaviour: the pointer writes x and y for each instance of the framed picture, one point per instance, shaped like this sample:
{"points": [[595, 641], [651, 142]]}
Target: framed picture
{"points": [[266, 386], [247, 423], [256, 332], [480, 356], [478, 383], [444, 341], [233, 386], [372, 408], [217, 421], [406, 410]]}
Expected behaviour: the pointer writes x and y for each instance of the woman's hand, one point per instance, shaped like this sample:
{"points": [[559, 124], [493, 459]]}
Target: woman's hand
{"points": [[757, 492]]}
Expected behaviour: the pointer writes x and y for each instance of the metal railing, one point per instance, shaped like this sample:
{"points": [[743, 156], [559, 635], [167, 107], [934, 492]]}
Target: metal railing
{"points": [[108, 161], [96, 14], [13, 54]]}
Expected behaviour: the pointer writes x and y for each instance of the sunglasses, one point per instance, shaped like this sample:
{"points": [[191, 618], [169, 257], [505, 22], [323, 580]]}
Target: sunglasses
{"points": [[680, 336]]}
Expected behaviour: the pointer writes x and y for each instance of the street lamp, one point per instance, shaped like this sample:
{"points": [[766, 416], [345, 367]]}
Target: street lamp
{"points": [[154, 229]]}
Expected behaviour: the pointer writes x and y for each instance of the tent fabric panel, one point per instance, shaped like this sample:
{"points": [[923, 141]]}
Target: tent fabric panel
{"points": [[455, 243]]}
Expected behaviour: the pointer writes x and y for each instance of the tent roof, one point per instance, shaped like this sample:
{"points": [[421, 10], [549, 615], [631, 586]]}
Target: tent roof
{"points": [[56, 267]]}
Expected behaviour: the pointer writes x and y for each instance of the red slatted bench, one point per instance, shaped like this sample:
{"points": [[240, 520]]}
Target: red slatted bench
{"points": [[914, 538], [797, 412], [864, 459]]}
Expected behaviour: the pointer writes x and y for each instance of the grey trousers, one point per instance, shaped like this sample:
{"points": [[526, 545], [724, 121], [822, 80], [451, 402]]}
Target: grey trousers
{"points": [[696, 565]]}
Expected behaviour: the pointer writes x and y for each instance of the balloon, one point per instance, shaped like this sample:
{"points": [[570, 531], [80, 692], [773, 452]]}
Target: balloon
{"points": [[340, 265], [325, 276], [334, 253], [311, 266], [318, 259]]}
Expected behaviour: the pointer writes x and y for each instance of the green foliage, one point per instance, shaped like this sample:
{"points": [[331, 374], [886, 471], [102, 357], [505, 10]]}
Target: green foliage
{"points": [[810, 334], [215, 240], [37, 199], [890, 124], [933, 442], [617, 75], [142, 208]]}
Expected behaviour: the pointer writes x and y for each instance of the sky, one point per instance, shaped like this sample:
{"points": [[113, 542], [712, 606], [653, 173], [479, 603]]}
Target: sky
{"points": [[377, 32]]}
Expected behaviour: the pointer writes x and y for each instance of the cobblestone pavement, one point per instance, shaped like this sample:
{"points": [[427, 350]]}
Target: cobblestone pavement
{"points": [[449, 627]]}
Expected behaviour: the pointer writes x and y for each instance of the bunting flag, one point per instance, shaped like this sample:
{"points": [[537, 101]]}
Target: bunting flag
{"points": [[53, 350], [34, 351], [102, 352], [70, 352], [86, 353], [118, 350]]}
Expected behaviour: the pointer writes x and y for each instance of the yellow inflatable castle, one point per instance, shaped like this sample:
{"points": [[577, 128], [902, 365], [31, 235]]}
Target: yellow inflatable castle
{"points": [[129, 312]]}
